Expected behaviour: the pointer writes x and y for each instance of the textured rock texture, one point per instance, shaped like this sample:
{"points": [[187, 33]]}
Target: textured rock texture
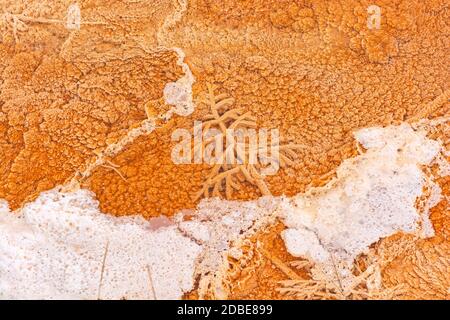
{"points": [[86, 107]]}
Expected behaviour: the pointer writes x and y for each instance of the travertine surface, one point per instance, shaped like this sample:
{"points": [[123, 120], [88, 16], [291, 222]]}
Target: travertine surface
{"points": [[95, 108]]}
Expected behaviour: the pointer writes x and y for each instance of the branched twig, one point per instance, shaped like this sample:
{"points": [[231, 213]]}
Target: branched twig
{"points": [[113, 167], [17, 22], [322, 286], [223, 176]]}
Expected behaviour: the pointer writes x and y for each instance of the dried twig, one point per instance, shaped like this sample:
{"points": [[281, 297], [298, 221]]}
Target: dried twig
{"points": [[102, 271], [223, 176], [18, 22], [280, 265], [113, 167], [150, 279], [364, 285]]}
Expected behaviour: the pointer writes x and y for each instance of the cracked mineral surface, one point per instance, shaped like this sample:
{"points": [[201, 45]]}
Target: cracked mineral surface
{"points": [[92, 91]]}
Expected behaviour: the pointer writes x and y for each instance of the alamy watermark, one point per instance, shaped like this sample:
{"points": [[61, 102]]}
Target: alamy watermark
{"points": [[73, 19], [374, 18]]}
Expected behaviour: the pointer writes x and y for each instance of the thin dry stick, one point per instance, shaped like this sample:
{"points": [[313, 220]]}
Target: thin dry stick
{"points": [[53, 21], [336, 273], [152, 287], [114, 169], [280, 265], [103, 270]]}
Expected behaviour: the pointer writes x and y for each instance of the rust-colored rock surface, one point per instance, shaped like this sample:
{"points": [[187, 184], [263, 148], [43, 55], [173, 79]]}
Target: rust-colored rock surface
{"points": [[314, 70]]}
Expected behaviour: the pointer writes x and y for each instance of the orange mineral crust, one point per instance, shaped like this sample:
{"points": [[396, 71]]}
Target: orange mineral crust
{"points": [[95, 106], [316, 82], [65, 95]]}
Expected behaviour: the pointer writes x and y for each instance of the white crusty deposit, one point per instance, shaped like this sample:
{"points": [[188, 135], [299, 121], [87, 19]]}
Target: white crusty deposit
{"points": [[62, 246], [374, 195]]}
